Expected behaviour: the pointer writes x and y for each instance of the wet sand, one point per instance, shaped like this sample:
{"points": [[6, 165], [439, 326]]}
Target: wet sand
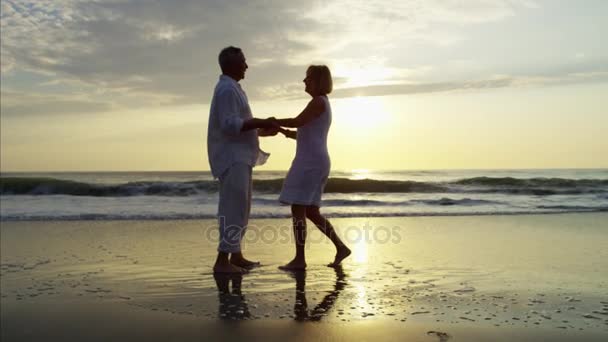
{"points": [[499, 278]]}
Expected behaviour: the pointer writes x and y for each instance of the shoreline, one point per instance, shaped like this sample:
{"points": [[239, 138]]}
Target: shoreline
{"points": [[380, 216]]}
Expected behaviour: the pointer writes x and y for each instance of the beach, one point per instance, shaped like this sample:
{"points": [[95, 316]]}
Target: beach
{"points": [[457, 148], [460, 278]]}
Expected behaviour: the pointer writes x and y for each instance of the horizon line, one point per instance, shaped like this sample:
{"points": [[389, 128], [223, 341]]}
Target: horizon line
{"points": [[337, 170]]}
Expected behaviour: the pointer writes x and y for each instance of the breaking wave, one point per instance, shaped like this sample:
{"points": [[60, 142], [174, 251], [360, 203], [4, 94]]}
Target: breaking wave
{"points": [[504, 185]]}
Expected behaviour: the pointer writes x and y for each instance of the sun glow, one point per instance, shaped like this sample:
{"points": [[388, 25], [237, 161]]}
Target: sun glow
{"points": [[360, 174], [367, 76], [360, 251], [367, 72], [361, 296], [360, 113]]}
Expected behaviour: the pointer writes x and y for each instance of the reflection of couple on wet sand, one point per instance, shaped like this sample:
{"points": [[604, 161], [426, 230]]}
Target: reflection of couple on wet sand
{"points": [[233, 150], [233, 305]]}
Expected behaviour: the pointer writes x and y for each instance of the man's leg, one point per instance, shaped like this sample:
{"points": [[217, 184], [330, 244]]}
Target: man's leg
{"points": [[232, 211], [223, 265], [237, 258]]}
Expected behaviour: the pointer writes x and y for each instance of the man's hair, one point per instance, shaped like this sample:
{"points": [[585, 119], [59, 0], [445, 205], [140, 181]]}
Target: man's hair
{"points": [[227, 56], [322, 76]]}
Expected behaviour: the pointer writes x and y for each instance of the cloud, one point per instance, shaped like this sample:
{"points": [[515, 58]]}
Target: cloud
{"points": [[400, 89], [499, 81], [168, 48], [348, 27], [20, 103], [134, 53]]}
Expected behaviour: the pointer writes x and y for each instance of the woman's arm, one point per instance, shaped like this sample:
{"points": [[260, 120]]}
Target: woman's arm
{"points": [[289, 134], [312, 111]]}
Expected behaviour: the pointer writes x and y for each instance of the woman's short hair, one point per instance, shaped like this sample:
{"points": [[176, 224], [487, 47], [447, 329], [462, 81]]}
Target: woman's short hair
{"points": [[228, 56], [322, 76]]}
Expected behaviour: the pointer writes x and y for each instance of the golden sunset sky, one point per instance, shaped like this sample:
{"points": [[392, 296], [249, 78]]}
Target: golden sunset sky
{"points": [[126, 85]]}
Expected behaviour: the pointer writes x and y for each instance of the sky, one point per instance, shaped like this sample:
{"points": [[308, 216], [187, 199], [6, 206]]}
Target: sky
{"points": [[125, 85]]}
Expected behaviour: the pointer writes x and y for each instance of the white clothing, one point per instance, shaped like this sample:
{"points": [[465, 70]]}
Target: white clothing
{"points": [[234, 206], [310, 168], [226, 144]]}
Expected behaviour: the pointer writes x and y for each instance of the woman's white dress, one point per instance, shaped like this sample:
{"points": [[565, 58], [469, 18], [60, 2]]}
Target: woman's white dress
{"points": [[309, 170]]}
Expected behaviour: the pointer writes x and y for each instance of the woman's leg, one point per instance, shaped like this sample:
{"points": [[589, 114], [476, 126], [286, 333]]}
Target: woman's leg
{"points": [[313, 214], [298, 213]]}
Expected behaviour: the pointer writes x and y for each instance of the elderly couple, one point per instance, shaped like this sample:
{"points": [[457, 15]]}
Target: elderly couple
{"points": [[233, 149]]}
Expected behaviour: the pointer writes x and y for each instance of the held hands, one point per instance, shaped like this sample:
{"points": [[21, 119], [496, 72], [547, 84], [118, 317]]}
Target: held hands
{"points": [[272, 122], [270, 127]]}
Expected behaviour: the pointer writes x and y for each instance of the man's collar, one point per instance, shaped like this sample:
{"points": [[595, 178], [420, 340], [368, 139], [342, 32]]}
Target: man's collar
{"points": [[229, 79]]}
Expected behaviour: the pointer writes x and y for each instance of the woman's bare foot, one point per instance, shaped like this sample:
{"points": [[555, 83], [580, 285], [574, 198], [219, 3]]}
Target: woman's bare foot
{"points": [[228, 268], [294, 265], [342, 253]]}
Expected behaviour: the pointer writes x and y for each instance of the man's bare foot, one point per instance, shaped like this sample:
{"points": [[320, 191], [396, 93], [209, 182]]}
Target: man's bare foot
{"points": [[294, 265], [342, 253], [240, 261], [228, 268]]}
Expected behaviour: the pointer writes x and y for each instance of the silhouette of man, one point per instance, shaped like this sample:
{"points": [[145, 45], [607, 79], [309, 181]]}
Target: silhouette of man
{"points": [[233, 150]]}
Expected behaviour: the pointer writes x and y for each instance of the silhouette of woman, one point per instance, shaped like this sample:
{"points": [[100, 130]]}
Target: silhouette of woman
{"points": [[310, 168]]}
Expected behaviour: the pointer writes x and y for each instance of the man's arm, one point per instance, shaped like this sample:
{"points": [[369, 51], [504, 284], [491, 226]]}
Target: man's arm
{"points": [[312, 111], [267, 132], [231, 122], [258, 123]]}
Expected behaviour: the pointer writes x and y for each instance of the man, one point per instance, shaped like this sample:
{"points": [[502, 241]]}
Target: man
{"points": [[233, 149]]}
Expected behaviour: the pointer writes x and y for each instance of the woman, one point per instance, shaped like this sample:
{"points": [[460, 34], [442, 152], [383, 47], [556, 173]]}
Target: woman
{"points": [[309, 170]]}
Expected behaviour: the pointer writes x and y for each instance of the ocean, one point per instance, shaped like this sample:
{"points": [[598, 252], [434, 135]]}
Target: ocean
{"points": [[357, 193]]}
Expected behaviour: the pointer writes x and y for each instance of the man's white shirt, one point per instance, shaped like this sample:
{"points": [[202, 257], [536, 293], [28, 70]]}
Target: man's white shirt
{"points": [[226, 144]]}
